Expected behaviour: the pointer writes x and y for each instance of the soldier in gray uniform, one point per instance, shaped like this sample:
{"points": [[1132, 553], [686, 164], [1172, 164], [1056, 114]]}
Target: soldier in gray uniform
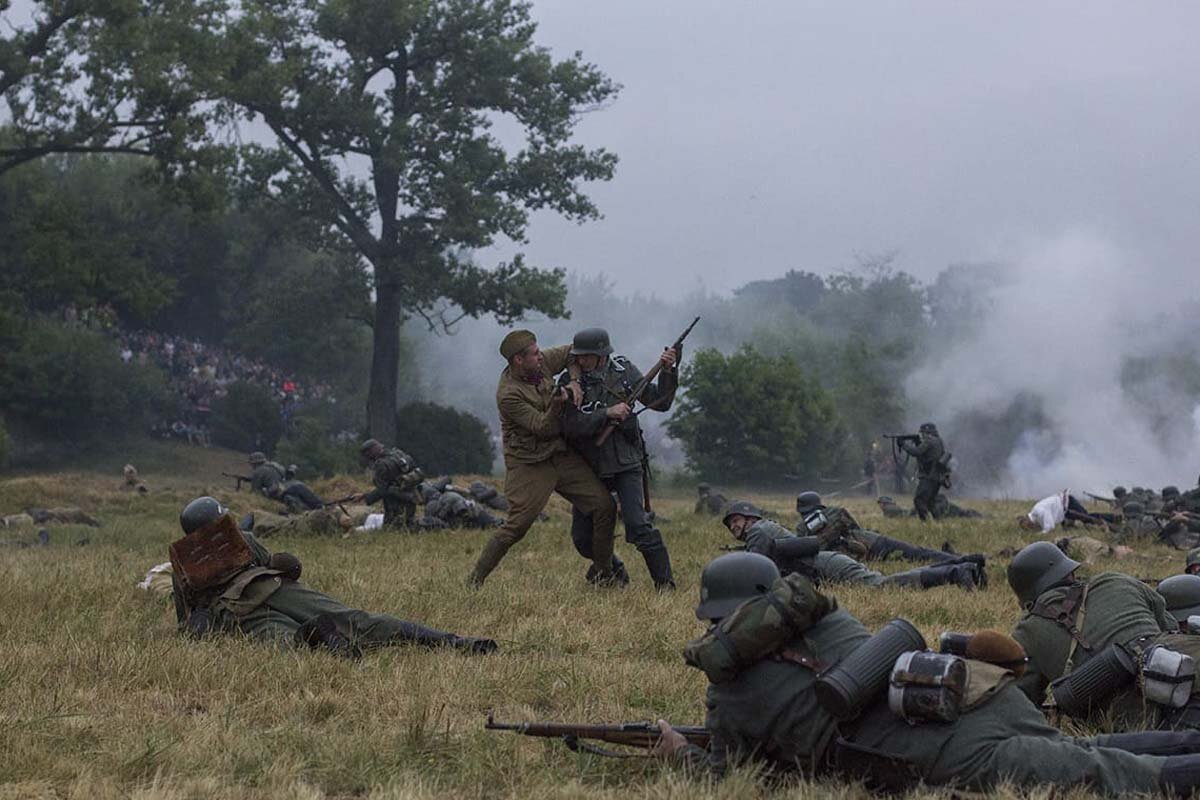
{"points": [[271, 480], [804, 554], [839, 530], [396, 478], [607, 382], [769, 713], [707, 502], [449, 509], [933, 471], [265, 600], [1071, 622]]}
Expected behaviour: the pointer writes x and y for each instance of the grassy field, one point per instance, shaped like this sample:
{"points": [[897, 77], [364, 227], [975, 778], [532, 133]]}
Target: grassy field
{"points": [[100, 697]]}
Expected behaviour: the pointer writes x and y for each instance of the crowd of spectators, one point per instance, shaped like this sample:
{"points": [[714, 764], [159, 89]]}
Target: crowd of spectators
{"points": [[197, 373]]}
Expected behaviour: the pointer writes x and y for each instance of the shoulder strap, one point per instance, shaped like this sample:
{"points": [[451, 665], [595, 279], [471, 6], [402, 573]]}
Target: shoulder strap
{"points": [[1066, 613], [1069, 614]]}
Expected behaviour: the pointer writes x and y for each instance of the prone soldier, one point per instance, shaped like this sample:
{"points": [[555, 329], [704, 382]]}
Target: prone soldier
{"points": [[224, 581], [707, 502], [807, 556], [798, 684], [1085, 638], [839, 530], [270, 479]]}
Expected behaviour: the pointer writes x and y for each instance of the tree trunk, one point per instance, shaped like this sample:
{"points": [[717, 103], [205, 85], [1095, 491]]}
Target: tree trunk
{"points": [[385, 363]]}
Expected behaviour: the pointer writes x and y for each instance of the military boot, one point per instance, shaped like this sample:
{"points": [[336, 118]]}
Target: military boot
{"points": [[965, 576], [618, 576], [492, 553], [658, 563], [1180, 775]]}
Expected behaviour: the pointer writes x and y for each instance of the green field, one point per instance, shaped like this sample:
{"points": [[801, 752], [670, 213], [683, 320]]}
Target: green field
{"points": [[100, 697]]}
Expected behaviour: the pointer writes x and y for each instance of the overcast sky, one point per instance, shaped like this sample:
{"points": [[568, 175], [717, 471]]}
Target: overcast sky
{"points": [[757, 137]]}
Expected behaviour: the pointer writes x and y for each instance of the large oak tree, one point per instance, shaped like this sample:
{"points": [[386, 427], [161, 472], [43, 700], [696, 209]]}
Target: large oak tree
{"points": [[419, 131]]}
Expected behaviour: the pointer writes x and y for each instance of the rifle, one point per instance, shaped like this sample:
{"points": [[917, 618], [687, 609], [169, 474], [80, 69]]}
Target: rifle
{"points": [[339, 502], [630, 734], [1101, 499], [901, 467], [239, 478], [640, 388]]}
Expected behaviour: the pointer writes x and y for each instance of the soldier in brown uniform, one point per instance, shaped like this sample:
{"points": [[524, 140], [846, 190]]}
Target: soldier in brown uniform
{"points": [[536, 457]]}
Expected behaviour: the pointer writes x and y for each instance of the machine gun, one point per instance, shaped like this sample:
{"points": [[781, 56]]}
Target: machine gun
{"points": [[1102, 499], [630, 734], [239, 478], [640, 388]]}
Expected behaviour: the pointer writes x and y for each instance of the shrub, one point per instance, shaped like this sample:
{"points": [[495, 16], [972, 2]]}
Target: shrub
{"points": [[749, 418], [67, 384], [316, 452], [444, 440], [247, 418]]}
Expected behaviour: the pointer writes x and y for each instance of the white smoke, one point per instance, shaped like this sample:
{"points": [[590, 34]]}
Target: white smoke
{"points": [[1063, 320]]}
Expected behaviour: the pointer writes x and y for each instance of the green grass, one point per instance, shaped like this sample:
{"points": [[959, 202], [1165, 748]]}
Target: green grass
{"points": [[100, 697]]}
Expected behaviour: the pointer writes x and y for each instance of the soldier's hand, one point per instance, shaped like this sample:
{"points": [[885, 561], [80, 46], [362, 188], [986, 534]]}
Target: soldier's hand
{"points": [[669, 743], [668, 358], [576, 393], [620, 412]]}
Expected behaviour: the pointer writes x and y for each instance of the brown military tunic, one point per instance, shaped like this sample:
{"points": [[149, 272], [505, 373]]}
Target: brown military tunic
{"points": [[539, 463]]}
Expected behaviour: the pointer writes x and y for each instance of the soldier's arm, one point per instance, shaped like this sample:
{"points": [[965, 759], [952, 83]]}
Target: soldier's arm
{"points": [[543, 424], [658, 396], [916, 450], [555, 358], [758, 541], [262, 556]]}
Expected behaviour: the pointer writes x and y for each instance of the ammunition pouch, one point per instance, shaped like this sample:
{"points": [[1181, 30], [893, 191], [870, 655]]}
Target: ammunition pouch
{"points": [[1166, 676], [757, 628], [927, 687], [879, 771], [1097, 679], [847, 688]]}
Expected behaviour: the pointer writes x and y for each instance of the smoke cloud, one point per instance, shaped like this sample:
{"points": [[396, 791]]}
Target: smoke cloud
{"points": [[1052, 351]]}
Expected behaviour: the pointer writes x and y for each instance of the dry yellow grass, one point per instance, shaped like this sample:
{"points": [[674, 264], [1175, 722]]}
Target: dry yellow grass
{"points": [[99, 697]]}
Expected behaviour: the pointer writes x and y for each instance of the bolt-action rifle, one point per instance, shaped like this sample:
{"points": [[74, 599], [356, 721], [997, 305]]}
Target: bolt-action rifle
{"points": [[640, 388], [642, 735], [239, 478]]}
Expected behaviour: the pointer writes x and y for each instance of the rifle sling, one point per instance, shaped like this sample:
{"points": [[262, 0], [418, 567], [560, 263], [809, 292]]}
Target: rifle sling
{"points": [[1069, 614], [577, 745]]}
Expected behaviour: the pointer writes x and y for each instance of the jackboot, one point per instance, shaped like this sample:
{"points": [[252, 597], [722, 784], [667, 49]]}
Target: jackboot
{"points": [[658, 563]]}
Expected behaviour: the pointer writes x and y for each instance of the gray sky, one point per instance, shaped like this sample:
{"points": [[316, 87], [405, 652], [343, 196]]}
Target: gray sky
{"points": [[757, 137]]}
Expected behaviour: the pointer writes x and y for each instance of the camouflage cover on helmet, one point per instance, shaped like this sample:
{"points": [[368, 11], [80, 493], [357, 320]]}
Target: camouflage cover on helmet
{"points": [[758, 627]]}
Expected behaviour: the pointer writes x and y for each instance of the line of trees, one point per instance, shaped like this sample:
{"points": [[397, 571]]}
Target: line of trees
{"points": [[374, 133]]}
